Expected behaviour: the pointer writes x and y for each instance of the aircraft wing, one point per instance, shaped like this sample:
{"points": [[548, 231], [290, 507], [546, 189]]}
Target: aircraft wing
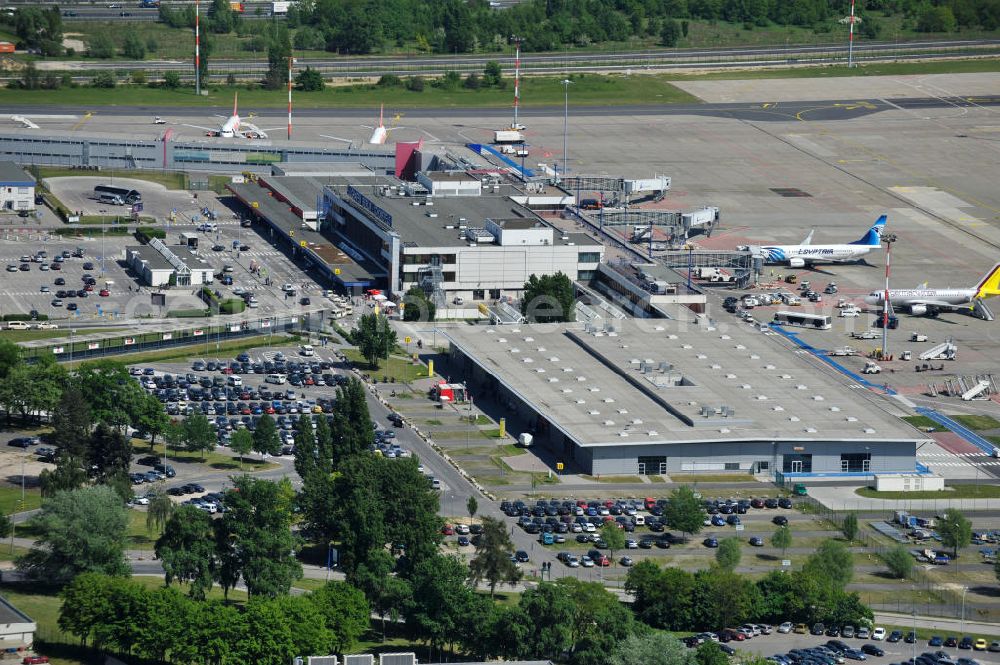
{"points": [[204, 129], [939, 304]]}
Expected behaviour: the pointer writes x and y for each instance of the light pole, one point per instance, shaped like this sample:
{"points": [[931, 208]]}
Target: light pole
{"points": [[72, 332], [104, 223], [566, 83], [965, 589], [888, 239]]}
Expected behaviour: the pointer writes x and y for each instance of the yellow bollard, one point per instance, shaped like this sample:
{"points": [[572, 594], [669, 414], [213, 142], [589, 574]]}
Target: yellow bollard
{"points": [[430, 368], [503, 427]]}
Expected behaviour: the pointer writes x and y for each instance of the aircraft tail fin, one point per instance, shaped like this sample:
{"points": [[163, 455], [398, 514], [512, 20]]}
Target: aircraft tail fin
{"points": [[809, 238], [874, 236], [990, 284], [381, 112], [235, 101]]}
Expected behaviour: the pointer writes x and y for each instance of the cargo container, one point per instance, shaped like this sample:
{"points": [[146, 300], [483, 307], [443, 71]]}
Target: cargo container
{"points": [[507, 136], [6, 47]]}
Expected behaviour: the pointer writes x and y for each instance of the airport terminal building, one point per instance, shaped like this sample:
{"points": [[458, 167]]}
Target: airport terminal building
{"points": [[459, 236], [648, 397]]}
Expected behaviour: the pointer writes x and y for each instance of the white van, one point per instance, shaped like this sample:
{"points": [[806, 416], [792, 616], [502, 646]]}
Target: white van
{"points": [[18, 325], [235, 381], [275, 378], [306, 350]]}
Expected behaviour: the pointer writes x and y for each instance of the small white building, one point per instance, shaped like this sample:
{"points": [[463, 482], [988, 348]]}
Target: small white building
{"points": [[17, 188], [17, 630], [909, 482], [450, 183], [160, 265]]}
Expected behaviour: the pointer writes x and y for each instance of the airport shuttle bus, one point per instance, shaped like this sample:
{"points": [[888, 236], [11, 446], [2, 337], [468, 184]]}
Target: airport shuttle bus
{"points": [[803, 320], [128, 196]]}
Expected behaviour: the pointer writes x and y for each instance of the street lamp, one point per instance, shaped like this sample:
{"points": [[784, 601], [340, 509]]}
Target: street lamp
{"points": [[965, 589], [566, 83], [104, 222]]}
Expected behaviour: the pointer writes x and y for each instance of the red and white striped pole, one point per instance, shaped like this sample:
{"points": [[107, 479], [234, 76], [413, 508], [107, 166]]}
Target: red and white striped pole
{"points": [[517, 82], [850, 40], [289, 98], [197, 51]]}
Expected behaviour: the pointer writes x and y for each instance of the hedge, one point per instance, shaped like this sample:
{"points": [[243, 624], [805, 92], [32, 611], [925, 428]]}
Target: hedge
{"points": [[230, 306], [90, 231], [146, 233], [187, 313], [24, 317]]}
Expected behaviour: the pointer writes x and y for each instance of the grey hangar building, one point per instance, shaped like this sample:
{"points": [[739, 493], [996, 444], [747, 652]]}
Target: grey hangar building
{"points": [[648, 397]]}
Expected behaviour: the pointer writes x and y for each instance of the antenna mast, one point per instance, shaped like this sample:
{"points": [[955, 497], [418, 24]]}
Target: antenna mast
{"points": [[197, 50], [289, 98], [517, 81]]}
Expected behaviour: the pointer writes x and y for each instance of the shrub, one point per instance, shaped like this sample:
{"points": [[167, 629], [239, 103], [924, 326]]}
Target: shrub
{"points": [[415, 84], [389, 81], [104, 80]]}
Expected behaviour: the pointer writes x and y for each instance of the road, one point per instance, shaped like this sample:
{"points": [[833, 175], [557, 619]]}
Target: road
{"points": [[556, 63]]}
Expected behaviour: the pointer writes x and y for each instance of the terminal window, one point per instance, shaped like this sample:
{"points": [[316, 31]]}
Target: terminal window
{"points": [[855, 462]]}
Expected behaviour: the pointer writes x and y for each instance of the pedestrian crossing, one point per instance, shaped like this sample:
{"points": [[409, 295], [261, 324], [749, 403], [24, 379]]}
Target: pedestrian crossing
{"points": [[975, 454], [962, 464]]}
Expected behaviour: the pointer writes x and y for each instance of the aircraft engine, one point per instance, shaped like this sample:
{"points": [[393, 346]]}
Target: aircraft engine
{"points": [[797, 263], [918, 310]]}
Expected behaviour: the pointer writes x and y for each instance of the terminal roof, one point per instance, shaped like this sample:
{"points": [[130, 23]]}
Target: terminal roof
{"points": [[646, 382]]}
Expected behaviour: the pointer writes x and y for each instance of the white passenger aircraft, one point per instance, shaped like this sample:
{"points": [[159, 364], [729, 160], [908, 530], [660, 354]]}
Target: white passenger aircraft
{"points": [[800, 256], [380, 133], [234, 126], [922, 300]]}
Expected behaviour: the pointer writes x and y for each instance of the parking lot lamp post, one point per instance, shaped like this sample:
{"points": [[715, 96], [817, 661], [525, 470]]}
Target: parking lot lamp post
{"points": [[104, 223], [72, 332], [965, 589]]}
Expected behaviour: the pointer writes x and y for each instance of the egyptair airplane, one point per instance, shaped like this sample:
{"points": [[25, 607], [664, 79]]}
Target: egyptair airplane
{"points": [[800, 256], [234, 127]]}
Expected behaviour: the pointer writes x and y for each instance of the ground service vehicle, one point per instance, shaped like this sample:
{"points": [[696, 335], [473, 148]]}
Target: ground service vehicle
{"points": [[803, 320]]}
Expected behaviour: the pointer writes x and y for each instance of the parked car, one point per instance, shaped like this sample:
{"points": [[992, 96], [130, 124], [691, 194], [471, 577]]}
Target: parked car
{"points": [[872, 650], [786, 627], [878, 633], [894, 636]]}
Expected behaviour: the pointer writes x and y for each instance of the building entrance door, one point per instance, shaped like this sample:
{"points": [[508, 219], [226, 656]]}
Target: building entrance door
{"points": [[797, 466]]}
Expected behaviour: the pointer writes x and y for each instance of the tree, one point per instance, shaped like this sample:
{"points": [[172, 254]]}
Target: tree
{"points": [[199, 436], [279, 52], [71, 423], [79, 531], [899, 562], [549, 298], [723, 598], [955, 530], [101, 46], [613, 536], [654, 648], [310, 80], [171, 80], [599, 621], [709, 653], [187, 550], [346, 611], [153, 419], [684, 511], [133, 47], [254, 535], [109, 454], [670, 33], [417, 306], [374, 337], [728, 554], [223, 19], [40, 28], [10, 357], [159, 511], [241, 443], [472, 505], [173, 437], [492, 74], [849, 527], [492, 559], [440, 598], [550, 626], [69, 474], [386, 592], [265, 437], [5, 525], [936, 19], [782, 539], [831, 563]]}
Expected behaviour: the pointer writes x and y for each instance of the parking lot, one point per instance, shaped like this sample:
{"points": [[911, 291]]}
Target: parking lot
{"points": [[77, 194], [778, 648]]}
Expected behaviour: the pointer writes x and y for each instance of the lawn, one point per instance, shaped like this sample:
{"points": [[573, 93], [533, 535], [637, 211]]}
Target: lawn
{"points": [[950, 492], [169, 180], [923, 423], [395, 368], [220, 461], [156, 582], [511, 450], [588, 89], [29, 335], [612, 479], [712, 478], [10, 498], [978, 423]]}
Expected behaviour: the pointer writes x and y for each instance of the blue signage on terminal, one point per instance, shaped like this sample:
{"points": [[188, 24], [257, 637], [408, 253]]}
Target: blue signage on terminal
{"points": [[367, 204]]}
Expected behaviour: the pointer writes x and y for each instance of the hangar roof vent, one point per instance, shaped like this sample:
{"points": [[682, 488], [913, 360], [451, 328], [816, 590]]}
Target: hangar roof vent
{"points": [[869, 430]]}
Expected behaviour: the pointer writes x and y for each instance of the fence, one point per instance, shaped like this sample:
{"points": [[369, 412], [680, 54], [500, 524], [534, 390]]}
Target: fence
{"points": [[927, 596]]}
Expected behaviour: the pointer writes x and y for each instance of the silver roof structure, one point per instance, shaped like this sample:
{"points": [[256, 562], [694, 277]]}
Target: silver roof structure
{"points": [[643, 381]]}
